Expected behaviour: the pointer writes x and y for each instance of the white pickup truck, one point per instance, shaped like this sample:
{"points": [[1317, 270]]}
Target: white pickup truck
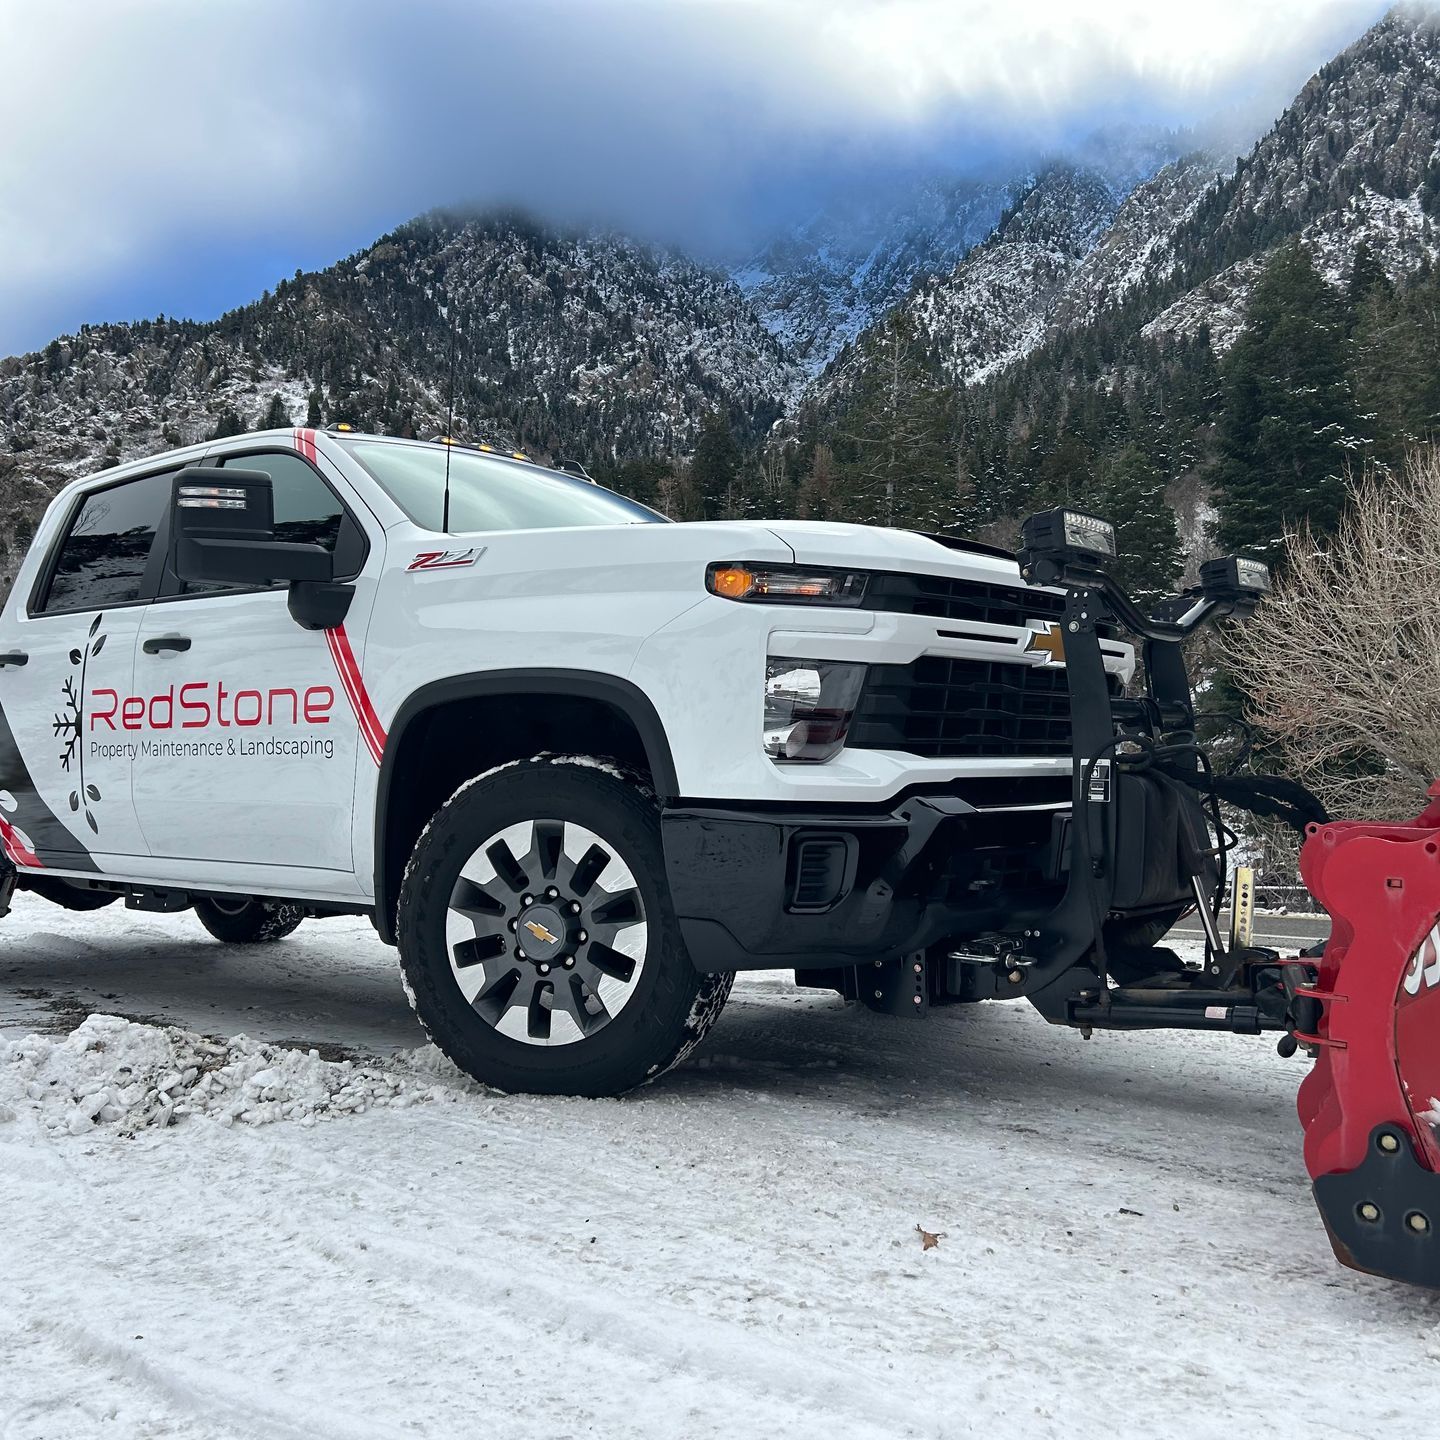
{"points": [[579, 763]]}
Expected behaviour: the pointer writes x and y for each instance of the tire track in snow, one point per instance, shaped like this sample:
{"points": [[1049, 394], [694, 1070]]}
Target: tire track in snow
{"points": [[663, 1342], [224, 1400]]}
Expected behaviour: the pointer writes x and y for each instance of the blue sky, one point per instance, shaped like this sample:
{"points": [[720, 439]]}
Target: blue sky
{"points": [[179, 156]]}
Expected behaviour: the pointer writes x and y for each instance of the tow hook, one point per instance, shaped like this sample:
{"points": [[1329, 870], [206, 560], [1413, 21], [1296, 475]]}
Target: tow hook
{"points": [[1007, 960]]}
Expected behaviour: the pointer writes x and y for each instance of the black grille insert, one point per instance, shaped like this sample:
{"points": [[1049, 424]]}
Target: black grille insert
{"points": [[947, 599], [942, 706]]}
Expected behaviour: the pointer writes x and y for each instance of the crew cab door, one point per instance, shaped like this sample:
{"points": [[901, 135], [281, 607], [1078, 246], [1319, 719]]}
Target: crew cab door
{"points": [[67, 640], [255, 736]]}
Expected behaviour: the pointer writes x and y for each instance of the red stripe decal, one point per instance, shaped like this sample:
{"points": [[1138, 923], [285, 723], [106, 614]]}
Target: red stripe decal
{"points": [[18, 851], [305, 444], [347, 681], [371, 730], [372, 742]]}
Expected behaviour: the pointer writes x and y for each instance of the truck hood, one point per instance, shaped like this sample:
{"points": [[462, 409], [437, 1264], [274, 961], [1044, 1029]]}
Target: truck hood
{"points": [[823, 542]]}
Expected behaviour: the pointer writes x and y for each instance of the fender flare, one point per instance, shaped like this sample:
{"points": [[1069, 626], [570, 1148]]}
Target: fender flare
{"points": [[612, 690]]}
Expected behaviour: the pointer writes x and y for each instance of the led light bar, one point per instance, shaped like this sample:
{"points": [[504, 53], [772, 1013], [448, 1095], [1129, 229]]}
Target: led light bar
{"points": [[1069, 532], [1233, 576]]}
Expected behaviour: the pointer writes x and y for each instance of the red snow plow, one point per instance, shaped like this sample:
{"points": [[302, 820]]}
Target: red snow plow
{"points": [[1146, 838], [1371, 1105]]}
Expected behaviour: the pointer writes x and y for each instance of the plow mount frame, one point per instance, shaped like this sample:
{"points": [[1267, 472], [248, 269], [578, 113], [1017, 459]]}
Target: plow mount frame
{"points": [[1365, 1006]]}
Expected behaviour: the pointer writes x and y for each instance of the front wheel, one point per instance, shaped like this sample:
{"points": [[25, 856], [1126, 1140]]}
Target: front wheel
{"points": [[537, 937], [247, 920]]}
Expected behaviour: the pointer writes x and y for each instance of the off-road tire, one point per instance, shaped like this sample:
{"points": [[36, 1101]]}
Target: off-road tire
{"points": [[247, 920], [671, 1006]]}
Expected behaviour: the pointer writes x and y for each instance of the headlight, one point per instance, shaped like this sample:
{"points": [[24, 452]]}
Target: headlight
{"points": [[808, 705], [785, 584]]}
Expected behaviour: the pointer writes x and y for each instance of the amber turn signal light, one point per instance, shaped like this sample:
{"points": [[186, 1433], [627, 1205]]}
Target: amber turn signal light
{"points": [[734, 582], [784, 584]]}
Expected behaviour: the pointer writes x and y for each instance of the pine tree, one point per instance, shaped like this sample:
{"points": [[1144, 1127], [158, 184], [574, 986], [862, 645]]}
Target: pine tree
{"points": [[713, 470], [276, 416], [314, 410], [229, 423], [1066, 474], [816, 498], [898, 470], [1397, 365], [1132, 497], [1290, 425], [1367, 276]]}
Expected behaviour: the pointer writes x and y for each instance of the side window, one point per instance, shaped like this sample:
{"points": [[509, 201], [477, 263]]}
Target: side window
{"points": [[306, 509], [103, 557]]}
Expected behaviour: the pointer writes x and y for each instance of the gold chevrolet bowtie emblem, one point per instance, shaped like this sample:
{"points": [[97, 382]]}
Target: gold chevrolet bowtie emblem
{"points": [[540, 932], [1048, 641]]}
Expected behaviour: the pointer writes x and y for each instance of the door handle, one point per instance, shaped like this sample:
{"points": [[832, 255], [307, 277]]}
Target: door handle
{"points": [[166, 644], [14, 657]]}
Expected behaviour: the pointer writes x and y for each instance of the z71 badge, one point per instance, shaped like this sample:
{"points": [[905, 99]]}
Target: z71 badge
{"points": [[445, 559]]}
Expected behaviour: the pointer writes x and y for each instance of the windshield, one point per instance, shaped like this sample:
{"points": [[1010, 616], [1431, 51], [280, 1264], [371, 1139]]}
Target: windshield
{"points": [[488, 493]]}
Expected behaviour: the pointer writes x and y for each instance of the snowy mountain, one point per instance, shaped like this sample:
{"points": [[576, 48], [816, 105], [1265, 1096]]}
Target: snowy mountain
{"points": [[817, 287], [997, 303], [1001, 300], [1138, 243], [1075, 245], [1354, 159], [586, 344]]}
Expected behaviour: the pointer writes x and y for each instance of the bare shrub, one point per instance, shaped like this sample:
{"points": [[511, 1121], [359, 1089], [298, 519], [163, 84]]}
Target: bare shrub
{"points": [[1342, 664]]}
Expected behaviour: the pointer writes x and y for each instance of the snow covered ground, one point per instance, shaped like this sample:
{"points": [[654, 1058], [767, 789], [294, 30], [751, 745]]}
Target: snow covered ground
{"points": [[1129, 1245]]}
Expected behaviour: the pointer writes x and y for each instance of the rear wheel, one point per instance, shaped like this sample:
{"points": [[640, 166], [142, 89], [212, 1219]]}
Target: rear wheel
{"points": [[537, 937], [246, 919]]}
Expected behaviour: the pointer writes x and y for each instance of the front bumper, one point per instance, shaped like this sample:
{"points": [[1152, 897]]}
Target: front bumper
{"points": [[762, 887], [793, 888]]}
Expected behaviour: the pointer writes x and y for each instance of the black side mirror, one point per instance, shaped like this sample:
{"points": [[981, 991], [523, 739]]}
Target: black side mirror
{"points": [[223, 531]]}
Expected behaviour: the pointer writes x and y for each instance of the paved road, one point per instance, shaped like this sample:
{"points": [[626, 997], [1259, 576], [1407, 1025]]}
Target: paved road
{"points": [[1283, 932]]}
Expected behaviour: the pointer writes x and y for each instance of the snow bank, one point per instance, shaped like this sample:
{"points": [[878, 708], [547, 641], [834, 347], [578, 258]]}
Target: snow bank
{"points": [[117, 1073]]}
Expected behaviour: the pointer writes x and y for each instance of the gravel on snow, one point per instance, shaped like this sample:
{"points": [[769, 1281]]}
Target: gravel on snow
{"points": [[1129, 1246]]}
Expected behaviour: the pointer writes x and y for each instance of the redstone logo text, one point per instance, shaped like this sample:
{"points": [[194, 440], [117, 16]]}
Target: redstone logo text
{"points": [[202, 703]]}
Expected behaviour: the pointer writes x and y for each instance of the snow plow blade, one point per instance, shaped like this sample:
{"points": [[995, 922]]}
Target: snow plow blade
{"points": [[1371, 1105]]}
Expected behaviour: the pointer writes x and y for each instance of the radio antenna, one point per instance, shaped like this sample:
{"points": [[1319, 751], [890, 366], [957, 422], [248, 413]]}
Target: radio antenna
{"points": [[449, 428]]}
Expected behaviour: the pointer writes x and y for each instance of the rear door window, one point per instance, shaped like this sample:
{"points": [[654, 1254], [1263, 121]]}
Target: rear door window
{"points": [[104, 557]]}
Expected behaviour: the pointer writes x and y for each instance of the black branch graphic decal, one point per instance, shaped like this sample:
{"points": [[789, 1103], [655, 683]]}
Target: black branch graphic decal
{"points": [[70, 723]]}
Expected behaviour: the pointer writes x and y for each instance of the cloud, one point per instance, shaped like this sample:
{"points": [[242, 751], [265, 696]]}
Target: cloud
{"points": [[164, 155]]}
